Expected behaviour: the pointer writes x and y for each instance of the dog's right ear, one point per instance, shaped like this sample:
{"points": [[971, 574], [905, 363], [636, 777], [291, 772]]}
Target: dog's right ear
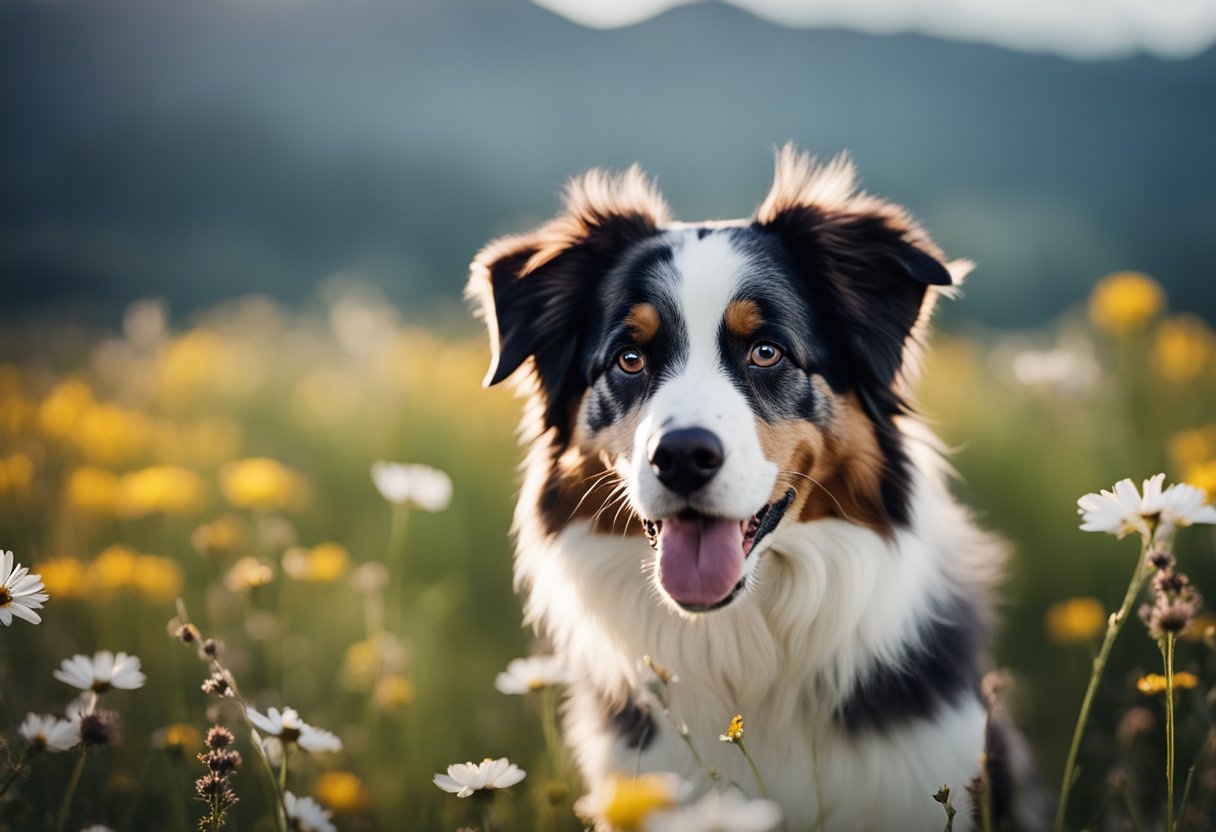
{"points": [[535, 291]]}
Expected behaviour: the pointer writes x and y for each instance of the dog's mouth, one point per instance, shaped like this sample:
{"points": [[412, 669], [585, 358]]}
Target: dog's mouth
{"points": [[702, 558]]}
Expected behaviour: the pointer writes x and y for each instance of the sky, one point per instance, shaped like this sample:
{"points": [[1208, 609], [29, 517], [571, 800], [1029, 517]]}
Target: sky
{"points": [[1081, 29]]}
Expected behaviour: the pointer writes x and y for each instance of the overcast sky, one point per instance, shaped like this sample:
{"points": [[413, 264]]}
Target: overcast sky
{"points": [[1086, 29]]}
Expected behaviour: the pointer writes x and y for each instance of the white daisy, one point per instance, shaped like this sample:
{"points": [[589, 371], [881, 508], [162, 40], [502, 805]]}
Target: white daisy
{"points": [[1123, 510], [728, 811], [289, 728], [463, 779], [421, 485], [104, 671], [306, 814], [531, 674], [1183, 504], [20, 592], [50, 732]]}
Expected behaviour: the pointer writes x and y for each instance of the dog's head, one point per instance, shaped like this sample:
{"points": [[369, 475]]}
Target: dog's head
{"points": [[719, 378]]}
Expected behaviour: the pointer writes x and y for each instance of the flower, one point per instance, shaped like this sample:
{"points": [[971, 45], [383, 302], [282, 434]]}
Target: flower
{"points": [[1122, 510], [306, 814], [1154, 683], [1074, 621], [1183, 348], [428, 488], [323, 563], [1202, 475], [262, 483], [221, 537], [531, 674], [104, 671], [342, 791], [177, 738], [50, 732], [100, 728], [93, 490], [729, 811], [65, 578], [165, 489], [20, 592], [1199, 627], [394, 692], [626, 802], [248, 573], [463, 779], [1123, 302], [734, 733], [289, 728], [1183, 504], [369, 578]]}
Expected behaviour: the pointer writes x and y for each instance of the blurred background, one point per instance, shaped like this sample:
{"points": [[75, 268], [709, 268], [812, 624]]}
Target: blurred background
{"points": [[233, 237]]}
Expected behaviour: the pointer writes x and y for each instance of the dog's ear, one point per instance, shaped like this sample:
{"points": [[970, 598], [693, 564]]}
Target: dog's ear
{"points": [[535, 291], [866, 261]]}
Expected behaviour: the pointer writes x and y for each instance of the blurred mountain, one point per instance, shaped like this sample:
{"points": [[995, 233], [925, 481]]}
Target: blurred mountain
{"points": [[196, 150]]}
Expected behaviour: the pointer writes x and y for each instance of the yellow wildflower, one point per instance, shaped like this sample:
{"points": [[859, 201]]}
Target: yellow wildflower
{"points": [[1074, 621], [188, 363], [262, 483], [114, 568], [342, 791], [734, 733], [248, 573], [1183, 348], [63, 407], [626, 802], [1202, 475], [360, 666], [65, 578], [178, 738], [110, 434], [1193, 446], [394, 692], [157, 578], [1154, 683], [222, 537], [93, 490], [16, 473], [1196, 630], [166, 489], [1124, 302], [323, 563]]}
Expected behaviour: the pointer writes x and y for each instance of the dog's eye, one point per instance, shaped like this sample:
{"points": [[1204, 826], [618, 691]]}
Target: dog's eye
{"points": [[631, 361], [764, 354]]}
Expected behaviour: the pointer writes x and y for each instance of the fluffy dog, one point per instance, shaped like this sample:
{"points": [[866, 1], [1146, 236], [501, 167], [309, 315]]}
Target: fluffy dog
{"points": [[724, 473]]}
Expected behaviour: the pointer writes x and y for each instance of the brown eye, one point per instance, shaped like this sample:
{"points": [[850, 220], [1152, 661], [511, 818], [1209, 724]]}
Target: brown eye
{"points": [[631, 361], [764, 354]]}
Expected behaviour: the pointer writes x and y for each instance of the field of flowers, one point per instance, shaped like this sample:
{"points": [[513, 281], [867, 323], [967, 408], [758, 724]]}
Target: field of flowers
{"points": [[260, 611]]}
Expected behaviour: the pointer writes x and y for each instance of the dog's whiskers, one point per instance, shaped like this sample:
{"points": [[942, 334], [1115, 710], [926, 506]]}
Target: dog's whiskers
{"points": [[826, 490]]}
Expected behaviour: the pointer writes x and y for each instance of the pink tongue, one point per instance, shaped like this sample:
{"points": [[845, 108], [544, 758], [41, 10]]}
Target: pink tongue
{"points": [[700, 560]]}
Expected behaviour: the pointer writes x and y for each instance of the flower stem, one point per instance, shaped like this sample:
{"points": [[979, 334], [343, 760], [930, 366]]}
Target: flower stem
{"points": [[66, 806], [1190, 775], [548, 716], [1167, 652], [15, 769], [755, 771], [1113, 626]]}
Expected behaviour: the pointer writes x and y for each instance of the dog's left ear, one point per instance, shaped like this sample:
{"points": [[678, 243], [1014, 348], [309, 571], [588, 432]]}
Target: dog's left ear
{"points": [[536, 291], [866, 261]]}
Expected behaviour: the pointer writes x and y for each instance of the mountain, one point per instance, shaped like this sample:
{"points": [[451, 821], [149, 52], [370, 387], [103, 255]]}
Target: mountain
{"points": [[196, 150]]}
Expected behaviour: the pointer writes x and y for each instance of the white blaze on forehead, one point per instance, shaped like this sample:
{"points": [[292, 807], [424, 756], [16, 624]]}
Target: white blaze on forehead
{"points": [[704, 276], [709, 271]]}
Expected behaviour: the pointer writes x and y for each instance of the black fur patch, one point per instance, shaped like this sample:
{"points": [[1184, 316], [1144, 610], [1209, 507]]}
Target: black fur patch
{"points": [[634, 724], [938, 670]]}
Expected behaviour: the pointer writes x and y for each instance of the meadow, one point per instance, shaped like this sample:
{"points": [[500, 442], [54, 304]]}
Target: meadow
{"points": [[199, 495]]}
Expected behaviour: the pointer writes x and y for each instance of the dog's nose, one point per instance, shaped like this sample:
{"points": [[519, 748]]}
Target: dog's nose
{"points": [[685, 459]]}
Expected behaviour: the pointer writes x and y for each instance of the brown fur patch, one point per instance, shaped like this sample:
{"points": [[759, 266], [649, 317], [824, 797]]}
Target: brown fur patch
{"points": [[743, 318], [844, 464], [643, 322], [582, 487]]}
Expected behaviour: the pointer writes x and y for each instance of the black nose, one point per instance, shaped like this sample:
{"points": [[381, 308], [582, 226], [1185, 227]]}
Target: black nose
{"points": [[685, 459]]}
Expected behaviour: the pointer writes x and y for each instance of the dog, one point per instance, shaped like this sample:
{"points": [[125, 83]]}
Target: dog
{"points": [[724, 474]]}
